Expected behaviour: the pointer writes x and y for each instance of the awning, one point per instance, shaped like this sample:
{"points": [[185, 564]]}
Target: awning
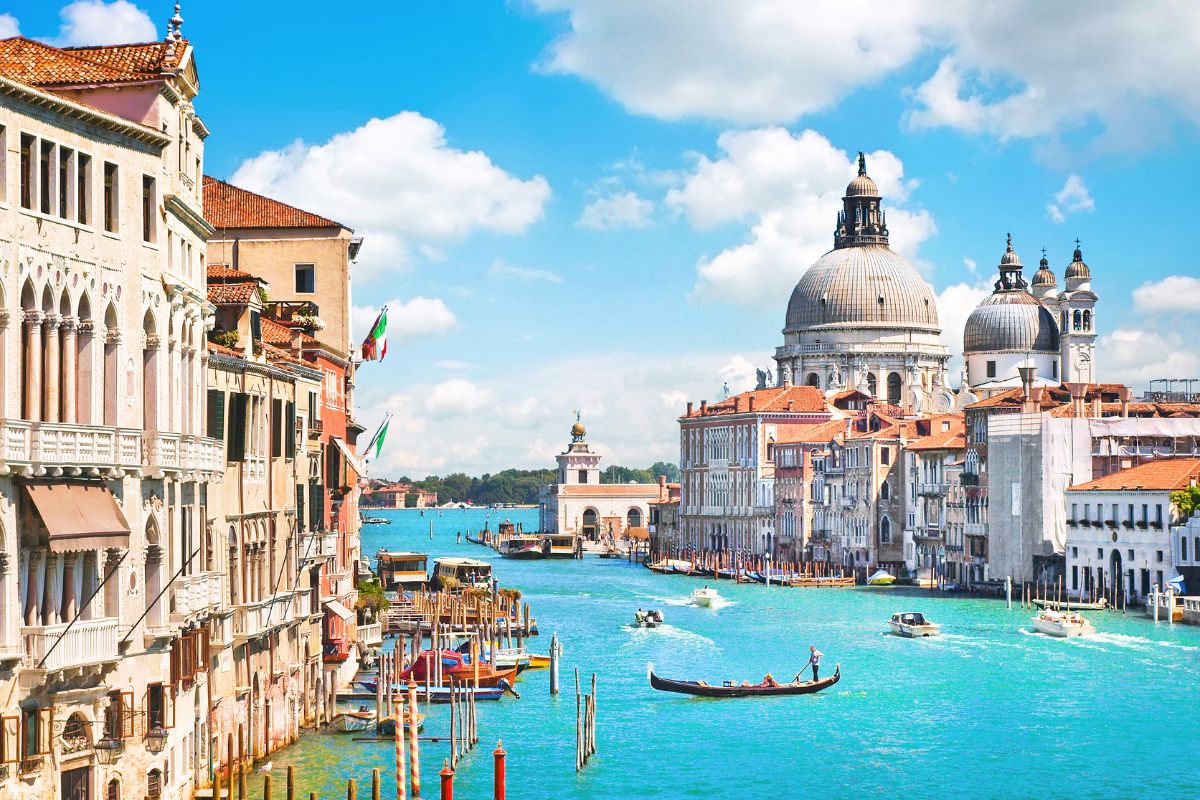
{"points": [[641, 534], [339, 609], [79, 516], [359, 468]]}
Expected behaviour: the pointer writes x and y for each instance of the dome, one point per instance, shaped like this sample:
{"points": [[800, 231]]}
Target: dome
{"points": [[1077, 269], [1044, 276], [861, 287], [1010, 321], [862, 186], [1010, 258]]}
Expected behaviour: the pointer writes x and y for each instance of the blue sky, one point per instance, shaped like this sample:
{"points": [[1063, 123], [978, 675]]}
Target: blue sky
{"points": [[603, 204]]}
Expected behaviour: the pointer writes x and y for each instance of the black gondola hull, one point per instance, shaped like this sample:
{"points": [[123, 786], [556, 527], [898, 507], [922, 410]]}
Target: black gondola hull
{"points": [[706, 690]]}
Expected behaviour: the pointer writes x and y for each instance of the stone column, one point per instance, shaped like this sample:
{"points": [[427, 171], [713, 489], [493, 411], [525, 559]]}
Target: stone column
{"points": [[69, 600], [33, 365], [53, 369], [69, 373]]}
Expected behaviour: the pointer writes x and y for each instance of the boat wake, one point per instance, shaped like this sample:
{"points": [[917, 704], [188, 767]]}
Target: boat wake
{"points": [[1139, 642], [671, 632]]}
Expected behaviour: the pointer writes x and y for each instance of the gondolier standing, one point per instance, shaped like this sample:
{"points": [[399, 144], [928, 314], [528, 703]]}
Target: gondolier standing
{"points": [[814, 660]]}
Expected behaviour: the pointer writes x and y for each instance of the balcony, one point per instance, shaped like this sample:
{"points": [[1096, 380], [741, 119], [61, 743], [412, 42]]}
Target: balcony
{"points": [[975, 529], [313, 547], [196, 595], [36, 449], [88, 643], [371, 634], [175, 452], [251, 620], [933, 488]]}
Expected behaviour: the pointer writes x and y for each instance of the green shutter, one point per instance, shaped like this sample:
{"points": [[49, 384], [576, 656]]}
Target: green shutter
{"points": [[216, 414], [289, 421], [237, 426], [276, 428]]}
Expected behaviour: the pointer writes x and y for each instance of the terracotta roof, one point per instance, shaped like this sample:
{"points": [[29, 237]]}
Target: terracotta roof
{"points": [[37, 64], [803, 400], [280, 335], [1165, 474], [229, 206], [1052, 396], [223, 273], [224, 294], [213, 347], [820, 433], [942, 440], [611, 489]]}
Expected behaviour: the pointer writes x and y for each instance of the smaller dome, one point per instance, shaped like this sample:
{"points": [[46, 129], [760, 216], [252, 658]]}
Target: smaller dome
{"points": [[1013, 322], [1010, 258], [1044, 276], [1077, 268], [862, 185]]}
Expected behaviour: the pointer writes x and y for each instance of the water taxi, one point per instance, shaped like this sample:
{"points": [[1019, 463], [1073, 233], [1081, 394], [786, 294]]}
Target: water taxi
{"points": [[521, 546], [461, 573], [912, 624], [881, 578], [1062, 624], [401, 570], [1099, 605], [704, 597], [375, 521], [561, 545]]}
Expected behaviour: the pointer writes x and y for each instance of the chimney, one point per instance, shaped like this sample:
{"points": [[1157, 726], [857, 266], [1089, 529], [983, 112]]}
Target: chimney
{"points": [[703, 407], [1027, 376], [751, 404], [791, 406], [689, 413], [662, 488], [1123, 395], [737, 404], [1077, 390]]}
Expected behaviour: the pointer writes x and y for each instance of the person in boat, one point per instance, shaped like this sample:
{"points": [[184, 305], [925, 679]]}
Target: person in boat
{"points": [[814, 660], [769, 682], [362, 708]]}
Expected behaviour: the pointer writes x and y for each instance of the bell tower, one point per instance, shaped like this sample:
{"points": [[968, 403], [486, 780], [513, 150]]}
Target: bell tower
{"points": [[578, 465], [1077, 322]]}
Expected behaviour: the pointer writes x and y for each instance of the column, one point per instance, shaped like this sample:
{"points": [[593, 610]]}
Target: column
{"points": [[69, 600], [33, 365], [52, 370], [69, 374]]}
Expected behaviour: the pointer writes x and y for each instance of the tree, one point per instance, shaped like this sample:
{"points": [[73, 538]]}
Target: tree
{"points": [[671, 471], [1187, 501]]}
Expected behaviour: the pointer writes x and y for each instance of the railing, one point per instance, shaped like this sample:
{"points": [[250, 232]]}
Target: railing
{"points": [[68, 445], [975, 529], [371, 634], [933, 488], [316, 545], [255, 619], [87, 642], [196, 594]]}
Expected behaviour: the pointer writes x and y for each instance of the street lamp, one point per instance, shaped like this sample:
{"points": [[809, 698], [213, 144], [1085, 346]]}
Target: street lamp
{"points": [[107, 750], [156, 740]]}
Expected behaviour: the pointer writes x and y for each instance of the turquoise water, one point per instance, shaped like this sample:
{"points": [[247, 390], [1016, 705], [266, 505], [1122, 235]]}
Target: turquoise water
{"points": [[989, 709]]}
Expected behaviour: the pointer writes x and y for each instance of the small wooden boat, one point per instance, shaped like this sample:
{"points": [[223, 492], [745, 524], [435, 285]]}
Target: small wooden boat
{"points": [[441, 694], [353, 721], [822, 580], [912, 624], [881, 578], [387, 727], [1062, 624], [732, 689], [704, 597]]}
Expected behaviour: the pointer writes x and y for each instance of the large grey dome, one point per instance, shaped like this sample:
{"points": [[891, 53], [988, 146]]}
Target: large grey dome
{"points": [[1013, 322], [864, 286]]}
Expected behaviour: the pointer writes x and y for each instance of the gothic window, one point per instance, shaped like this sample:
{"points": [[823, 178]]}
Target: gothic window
{"points": [[885, 531], [872, 384], [1087, 320]]}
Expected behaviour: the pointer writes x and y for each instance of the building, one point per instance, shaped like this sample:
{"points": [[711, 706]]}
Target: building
{"points": [[863, 318], [386, 495], [1124, 536], [577, 502], [664, 518], [110, 591], [934, 541], [795, 452], [1050, 330]]}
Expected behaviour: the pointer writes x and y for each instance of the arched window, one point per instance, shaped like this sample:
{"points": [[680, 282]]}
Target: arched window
{"points": [[1078, 320], [31, 363], [113, 792], [590, 518], [1087, 320], [108, 382], [75, 735], [150, 348], [154, 783], [885, 531], [885, 491], [872, 384], [634, 518], [893, 388], [813, 380], [154, 570]]}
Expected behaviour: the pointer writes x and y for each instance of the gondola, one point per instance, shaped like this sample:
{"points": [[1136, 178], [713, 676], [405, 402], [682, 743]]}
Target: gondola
{"points": [[730, 689]]}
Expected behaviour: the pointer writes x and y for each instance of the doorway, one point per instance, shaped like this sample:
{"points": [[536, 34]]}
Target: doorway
{"points": [[76, 784], [1115, 572]]}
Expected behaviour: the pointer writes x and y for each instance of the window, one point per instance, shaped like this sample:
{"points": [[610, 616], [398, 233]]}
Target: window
{"points": [[112, 216], [46, 177], [885, 531], [1183, 556], [885, 491], [238, 404], [216, 414], [991, 369], [1074, 511], [149, 209], [83, 189], [583, 476], [154, 784], [306, 278], [276, 428], [1054, 370], [66, 182], [3, 163], [113, 792], [885, 456], [1075, 576], [28, 190]]}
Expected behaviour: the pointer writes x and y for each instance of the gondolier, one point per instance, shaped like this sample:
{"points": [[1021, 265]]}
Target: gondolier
{"points": [[814, 660]]}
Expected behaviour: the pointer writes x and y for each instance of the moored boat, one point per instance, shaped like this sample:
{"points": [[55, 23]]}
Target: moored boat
{"points": [[768, 688], [521, 546], [1099, 605], [353, 721], [881, 578], [912, 624], [1062, 624], [704, 597]]}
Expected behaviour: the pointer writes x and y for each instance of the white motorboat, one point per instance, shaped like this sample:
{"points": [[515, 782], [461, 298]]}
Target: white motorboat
{"points": [[1062, 624], [881, 578], [705, 597], [648, 619], [912, 624]]}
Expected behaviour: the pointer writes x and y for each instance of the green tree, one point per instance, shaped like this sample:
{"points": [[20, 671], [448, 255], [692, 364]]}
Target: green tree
{"points": [[1187, 500], [671, 471]]}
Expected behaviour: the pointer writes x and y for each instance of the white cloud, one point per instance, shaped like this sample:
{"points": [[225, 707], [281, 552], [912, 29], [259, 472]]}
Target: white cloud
{"points": [[88, 22], [9, 27], [502, 271], [1012, 70], [411, 319], [789, 188], [1136, 356], [456, 397], [955, 303], [617, 211], [1173, 293], [399, 183], [1072, 197]]}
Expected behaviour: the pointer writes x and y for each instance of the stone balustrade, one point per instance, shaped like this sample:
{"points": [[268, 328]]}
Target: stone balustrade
{"points": [[86, 643], [196, 595], [36, 448]]}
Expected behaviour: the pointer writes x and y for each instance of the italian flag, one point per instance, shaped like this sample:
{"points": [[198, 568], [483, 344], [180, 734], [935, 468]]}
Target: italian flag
{"points": [[377, 440], [375, 345]]}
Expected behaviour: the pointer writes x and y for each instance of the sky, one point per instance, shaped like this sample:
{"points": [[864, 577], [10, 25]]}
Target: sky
{"points": [[602, 205]]}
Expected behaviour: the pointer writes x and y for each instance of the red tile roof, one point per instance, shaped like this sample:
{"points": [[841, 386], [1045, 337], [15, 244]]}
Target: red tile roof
{"points": [[802, 400], [229, 206], [1052, 397], [1165, 474], [820, 433], [612, 489], [225, 294], [37, 64], [280, 335], [226, 274], [942, 440]]}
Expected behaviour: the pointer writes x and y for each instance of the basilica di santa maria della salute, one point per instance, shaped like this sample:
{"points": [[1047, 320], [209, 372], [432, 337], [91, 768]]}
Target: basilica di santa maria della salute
{"points": [[863, 318]]}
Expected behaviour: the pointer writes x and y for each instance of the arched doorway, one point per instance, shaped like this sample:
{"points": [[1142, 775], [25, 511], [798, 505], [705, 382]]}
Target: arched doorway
{"points": [[893, 388], [633, 519], [590, 520], [1114, 573], [814, 380]]}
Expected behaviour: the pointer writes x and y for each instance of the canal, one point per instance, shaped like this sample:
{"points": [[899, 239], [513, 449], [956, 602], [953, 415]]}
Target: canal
{"points": [[989, 709]]}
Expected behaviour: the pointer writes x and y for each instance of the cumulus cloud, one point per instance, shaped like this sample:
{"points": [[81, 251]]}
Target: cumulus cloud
{"points": [[399, 182], [1013, 70], [1135, 356], [788, 188], [507, 272], [1072, 197], [955, 303], [616, 212], [9, 26], [416, 318], [456, 397], [88, 22], [1179, 293]]}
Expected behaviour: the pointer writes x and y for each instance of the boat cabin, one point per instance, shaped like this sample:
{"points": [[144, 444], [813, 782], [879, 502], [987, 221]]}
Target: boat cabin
{"points": [[461, 573], [561, 545], [910, 618], [401, 570]]}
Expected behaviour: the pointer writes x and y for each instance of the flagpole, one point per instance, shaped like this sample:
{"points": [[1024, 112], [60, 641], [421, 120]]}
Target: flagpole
{"points": [[375, 436]]}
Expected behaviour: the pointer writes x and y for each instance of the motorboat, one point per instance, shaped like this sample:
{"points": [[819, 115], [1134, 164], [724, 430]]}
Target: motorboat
{"points": [[767, 688], [461, 573], [1099, 605], [648, 619], [521, 546], [705, 597], [376, 521], [401, 570], [881, 578], [912, 624], [1063, 624]]}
